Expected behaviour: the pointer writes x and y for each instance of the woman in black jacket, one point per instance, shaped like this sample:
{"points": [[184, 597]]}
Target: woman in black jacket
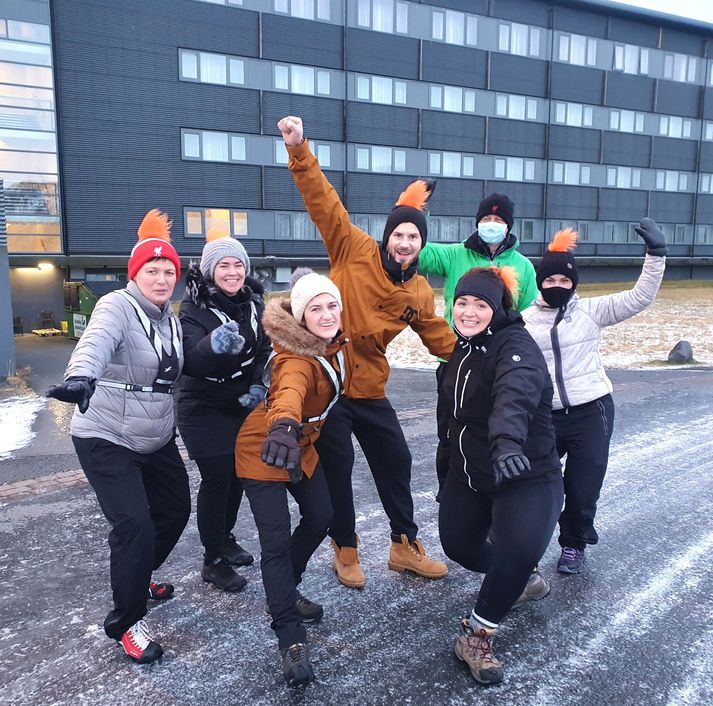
{"points": [[504, 475], [225, 351]]}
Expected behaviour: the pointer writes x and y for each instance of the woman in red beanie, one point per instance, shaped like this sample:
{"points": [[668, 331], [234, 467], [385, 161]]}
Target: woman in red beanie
{"points": [[121, 376]]}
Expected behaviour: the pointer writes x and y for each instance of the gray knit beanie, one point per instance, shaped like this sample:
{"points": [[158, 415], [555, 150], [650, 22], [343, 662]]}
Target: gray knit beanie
{"points": [[215, 250]]}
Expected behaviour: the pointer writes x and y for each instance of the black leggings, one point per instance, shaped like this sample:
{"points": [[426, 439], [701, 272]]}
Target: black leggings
{"points": [[522, 515], [218, 502]]}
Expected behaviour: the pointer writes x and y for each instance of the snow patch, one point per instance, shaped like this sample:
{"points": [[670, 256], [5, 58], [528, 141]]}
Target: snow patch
{"points": [[17, 415]]}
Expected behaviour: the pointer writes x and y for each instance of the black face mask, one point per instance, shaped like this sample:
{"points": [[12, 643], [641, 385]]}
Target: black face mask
{"points": [[557, 297]]}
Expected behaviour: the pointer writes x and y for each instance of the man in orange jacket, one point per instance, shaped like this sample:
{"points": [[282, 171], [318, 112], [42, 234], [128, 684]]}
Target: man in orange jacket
{"points": [[382, 294]]}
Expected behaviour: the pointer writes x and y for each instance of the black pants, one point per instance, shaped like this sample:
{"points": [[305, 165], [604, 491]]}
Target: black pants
{"points": [[443, 415], [522, 515], [146, 499], [379, 434], [284, 556], [583, 433], [218, 502]]}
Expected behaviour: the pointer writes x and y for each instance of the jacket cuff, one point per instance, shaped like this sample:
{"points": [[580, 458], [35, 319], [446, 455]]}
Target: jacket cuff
{"points": [[300, 151]]}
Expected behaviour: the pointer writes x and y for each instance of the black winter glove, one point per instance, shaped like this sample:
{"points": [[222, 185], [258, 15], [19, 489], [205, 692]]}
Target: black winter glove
{"points": [[281, 448], [77, 390], [653, 237], [509, 466], [227, 339]]}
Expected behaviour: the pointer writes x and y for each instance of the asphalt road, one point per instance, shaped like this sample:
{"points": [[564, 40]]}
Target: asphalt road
{"points": [[635, 627]]}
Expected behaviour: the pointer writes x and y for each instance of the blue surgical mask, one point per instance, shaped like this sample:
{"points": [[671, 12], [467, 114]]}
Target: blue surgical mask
{"points": [[492, 232]]}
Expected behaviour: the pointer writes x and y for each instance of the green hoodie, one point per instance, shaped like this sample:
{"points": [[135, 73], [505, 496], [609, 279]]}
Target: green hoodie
{"points": [[454, 260]]}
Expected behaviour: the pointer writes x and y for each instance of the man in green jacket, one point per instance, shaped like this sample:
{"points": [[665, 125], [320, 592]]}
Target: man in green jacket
{"points": [[491, 244]]}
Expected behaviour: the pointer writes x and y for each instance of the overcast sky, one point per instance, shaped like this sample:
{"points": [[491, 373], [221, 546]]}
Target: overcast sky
{"points": [[695, 9]]}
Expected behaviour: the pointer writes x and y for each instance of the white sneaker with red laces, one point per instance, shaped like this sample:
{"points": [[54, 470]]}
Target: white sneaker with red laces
{"points": [[137, 643]]}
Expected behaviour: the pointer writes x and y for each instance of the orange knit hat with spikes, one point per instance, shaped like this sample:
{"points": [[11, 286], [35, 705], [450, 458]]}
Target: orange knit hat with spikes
{"points": [[410, 208], [154, 242], [559, 258]]}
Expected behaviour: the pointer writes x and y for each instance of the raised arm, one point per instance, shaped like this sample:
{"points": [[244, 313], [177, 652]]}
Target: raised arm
{"points": [[435, 258]]}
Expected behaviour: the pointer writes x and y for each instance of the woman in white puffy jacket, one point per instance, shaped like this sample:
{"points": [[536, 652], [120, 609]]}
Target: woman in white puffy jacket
{"points": [[567, 329]]}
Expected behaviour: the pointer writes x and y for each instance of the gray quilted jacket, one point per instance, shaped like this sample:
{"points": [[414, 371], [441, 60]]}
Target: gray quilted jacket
{"points": [[116, 347], [571, 347]]}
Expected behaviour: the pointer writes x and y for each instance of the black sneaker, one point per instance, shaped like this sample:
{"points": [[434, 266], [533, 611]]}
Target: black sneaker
{"points": [[310, 611], [222, 576], [571, 560], [234, 554], [296, 666]]}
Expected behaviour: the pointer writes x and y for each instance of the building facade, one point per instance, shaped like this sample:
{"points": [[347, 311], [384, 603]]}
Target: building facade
{"points": [[584, 114]]}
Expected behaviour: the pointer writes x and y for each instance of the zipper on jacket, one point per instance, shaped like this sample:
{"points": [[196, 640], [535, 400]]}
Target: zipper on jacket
{"points": [[455, 395], [465, 382], [465, 460], [557, 354]]}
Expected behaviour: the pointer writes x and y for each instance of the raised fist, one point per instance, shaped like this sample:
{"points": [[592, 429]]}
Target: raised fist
{"points": [[292, 130]]}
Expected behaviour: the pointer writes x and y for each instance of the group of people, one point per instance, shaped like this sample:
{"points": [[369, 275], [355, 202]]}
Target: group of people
{"points": [[270, 395]]}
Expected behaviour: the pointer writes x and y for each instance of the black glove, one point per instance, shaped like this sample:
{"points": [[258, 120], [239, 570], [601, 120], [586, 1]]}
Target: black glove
{"points": [[509, 466], [74, 389], [281, 448], [653, 237], [226, 339]]}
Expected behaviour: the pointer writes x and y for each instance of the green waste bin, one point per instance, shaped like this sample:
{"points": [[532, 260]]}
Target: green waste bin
{"points": [[79, 303]]}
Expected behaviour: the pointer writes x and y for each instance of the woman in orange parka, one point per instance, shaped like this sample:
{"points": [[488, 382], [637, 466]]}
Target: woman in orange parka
{"points": [[275, 454]]}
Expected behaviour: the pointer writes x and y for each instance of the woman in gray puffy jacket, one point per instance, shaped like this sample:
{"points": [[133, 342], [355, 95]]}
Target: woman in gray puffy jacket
{"points": [[568, 330], [121, 376]]}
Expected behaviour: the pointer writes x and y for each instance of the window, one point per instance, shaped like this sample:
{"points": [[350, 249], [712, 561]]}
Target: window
{"points": [[514, 169], [674, 126], [304, 8], [626, 121], [624, 177], [27, 31], [574, 114], [379, 89], [708, 131], [516, 107], [324, 155], [380, 159], [449, 164], [680, 67], [301, 79], [577, 49], [704, 234], [211, 146], [519, 39], [198, 221], [383, 15], [191, 145], [631, 59], [670, 180], [571, 173], [454, 27], [210, 68], [281, 156], [452, 99]]}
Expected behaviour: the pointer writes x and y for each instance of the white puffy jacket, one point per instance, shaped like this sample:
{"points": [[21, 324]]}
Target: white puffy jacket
{"points": [[570, 343], [115, 347]]}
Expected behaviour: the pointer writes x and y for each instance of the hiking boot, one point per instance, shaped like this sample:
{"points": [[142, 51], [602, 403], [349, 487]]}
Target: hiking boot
{"points": [[405, 556], [139, 645], [160, 591], [234, 554], [296, 666], [474, 647], [346, 565], [535, 589], [222, 576], [571, 560], [310, 611]]}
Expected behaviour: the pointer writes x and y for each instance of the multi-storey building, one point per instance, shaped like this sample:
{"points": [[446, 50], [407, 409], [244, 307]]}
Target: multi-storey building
{"points": [[585, 114]]}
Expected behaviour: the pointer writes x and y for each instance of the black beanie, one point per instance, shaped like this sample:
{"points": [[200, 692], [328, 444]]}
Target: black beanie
{"points": [[558, 258], [480, 283], [410, 208], [496, 205]]}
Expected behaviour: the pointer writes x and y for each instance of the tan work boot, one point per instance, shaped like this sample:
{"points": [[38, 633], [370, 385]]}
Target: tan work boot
{"points": [[412, 557], [347, 567], [475, 648], [536, 588]]}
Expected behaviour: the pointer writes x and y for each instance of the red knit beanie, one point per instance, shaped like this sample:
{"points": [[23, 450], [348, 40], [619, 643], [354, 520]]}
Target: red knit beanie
{"points": [[154, 241]]}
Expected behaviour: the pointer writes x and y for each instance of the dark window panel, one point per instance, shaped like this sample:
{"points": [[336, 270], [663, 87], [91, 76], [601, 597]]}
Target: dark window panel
{"points": [[527, 198], [382, 124], [322, 117], [517, 74], [452, 131], [574, 144], [459, 66], [476, 7], [281, 194], [683, 42], [379, 53], [679, 99], [704, 208], [626, 149], [578, 21], [633, 32], [517, 138], [374, 193], [577, 83], [632, 92], [671, 153], [671, 208], [706, 157], [708, 102], [456, 197], [572, 202], [293, 40], [532, 12], [622, 204]]}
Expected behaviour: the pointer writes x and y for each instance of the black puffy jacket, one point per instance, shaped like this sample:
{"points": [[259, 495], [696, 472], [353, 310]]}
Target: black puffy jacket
{"points": [[499, 391]]}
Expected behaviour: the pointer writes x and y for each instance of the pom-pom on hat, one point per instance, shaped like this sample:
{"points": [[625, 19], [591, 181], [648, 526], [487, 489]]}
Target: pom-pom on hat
{"points": [[496, 205], [488, 284], [154, 242], [410, 208], [305, 286], [219, 245], [559, 258]]}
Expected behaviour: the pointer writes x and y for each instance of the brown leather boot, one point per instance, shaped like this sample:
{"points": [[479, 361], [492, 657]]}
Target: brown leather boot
{"points": [[346, 565], [412, 557], [474, 646]]}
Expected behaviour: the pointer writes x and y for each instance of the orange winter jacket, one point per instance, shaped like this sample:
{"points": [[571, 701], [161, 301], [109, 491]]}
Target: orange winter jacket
{"points": [[376, 308], [300, 389]]}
